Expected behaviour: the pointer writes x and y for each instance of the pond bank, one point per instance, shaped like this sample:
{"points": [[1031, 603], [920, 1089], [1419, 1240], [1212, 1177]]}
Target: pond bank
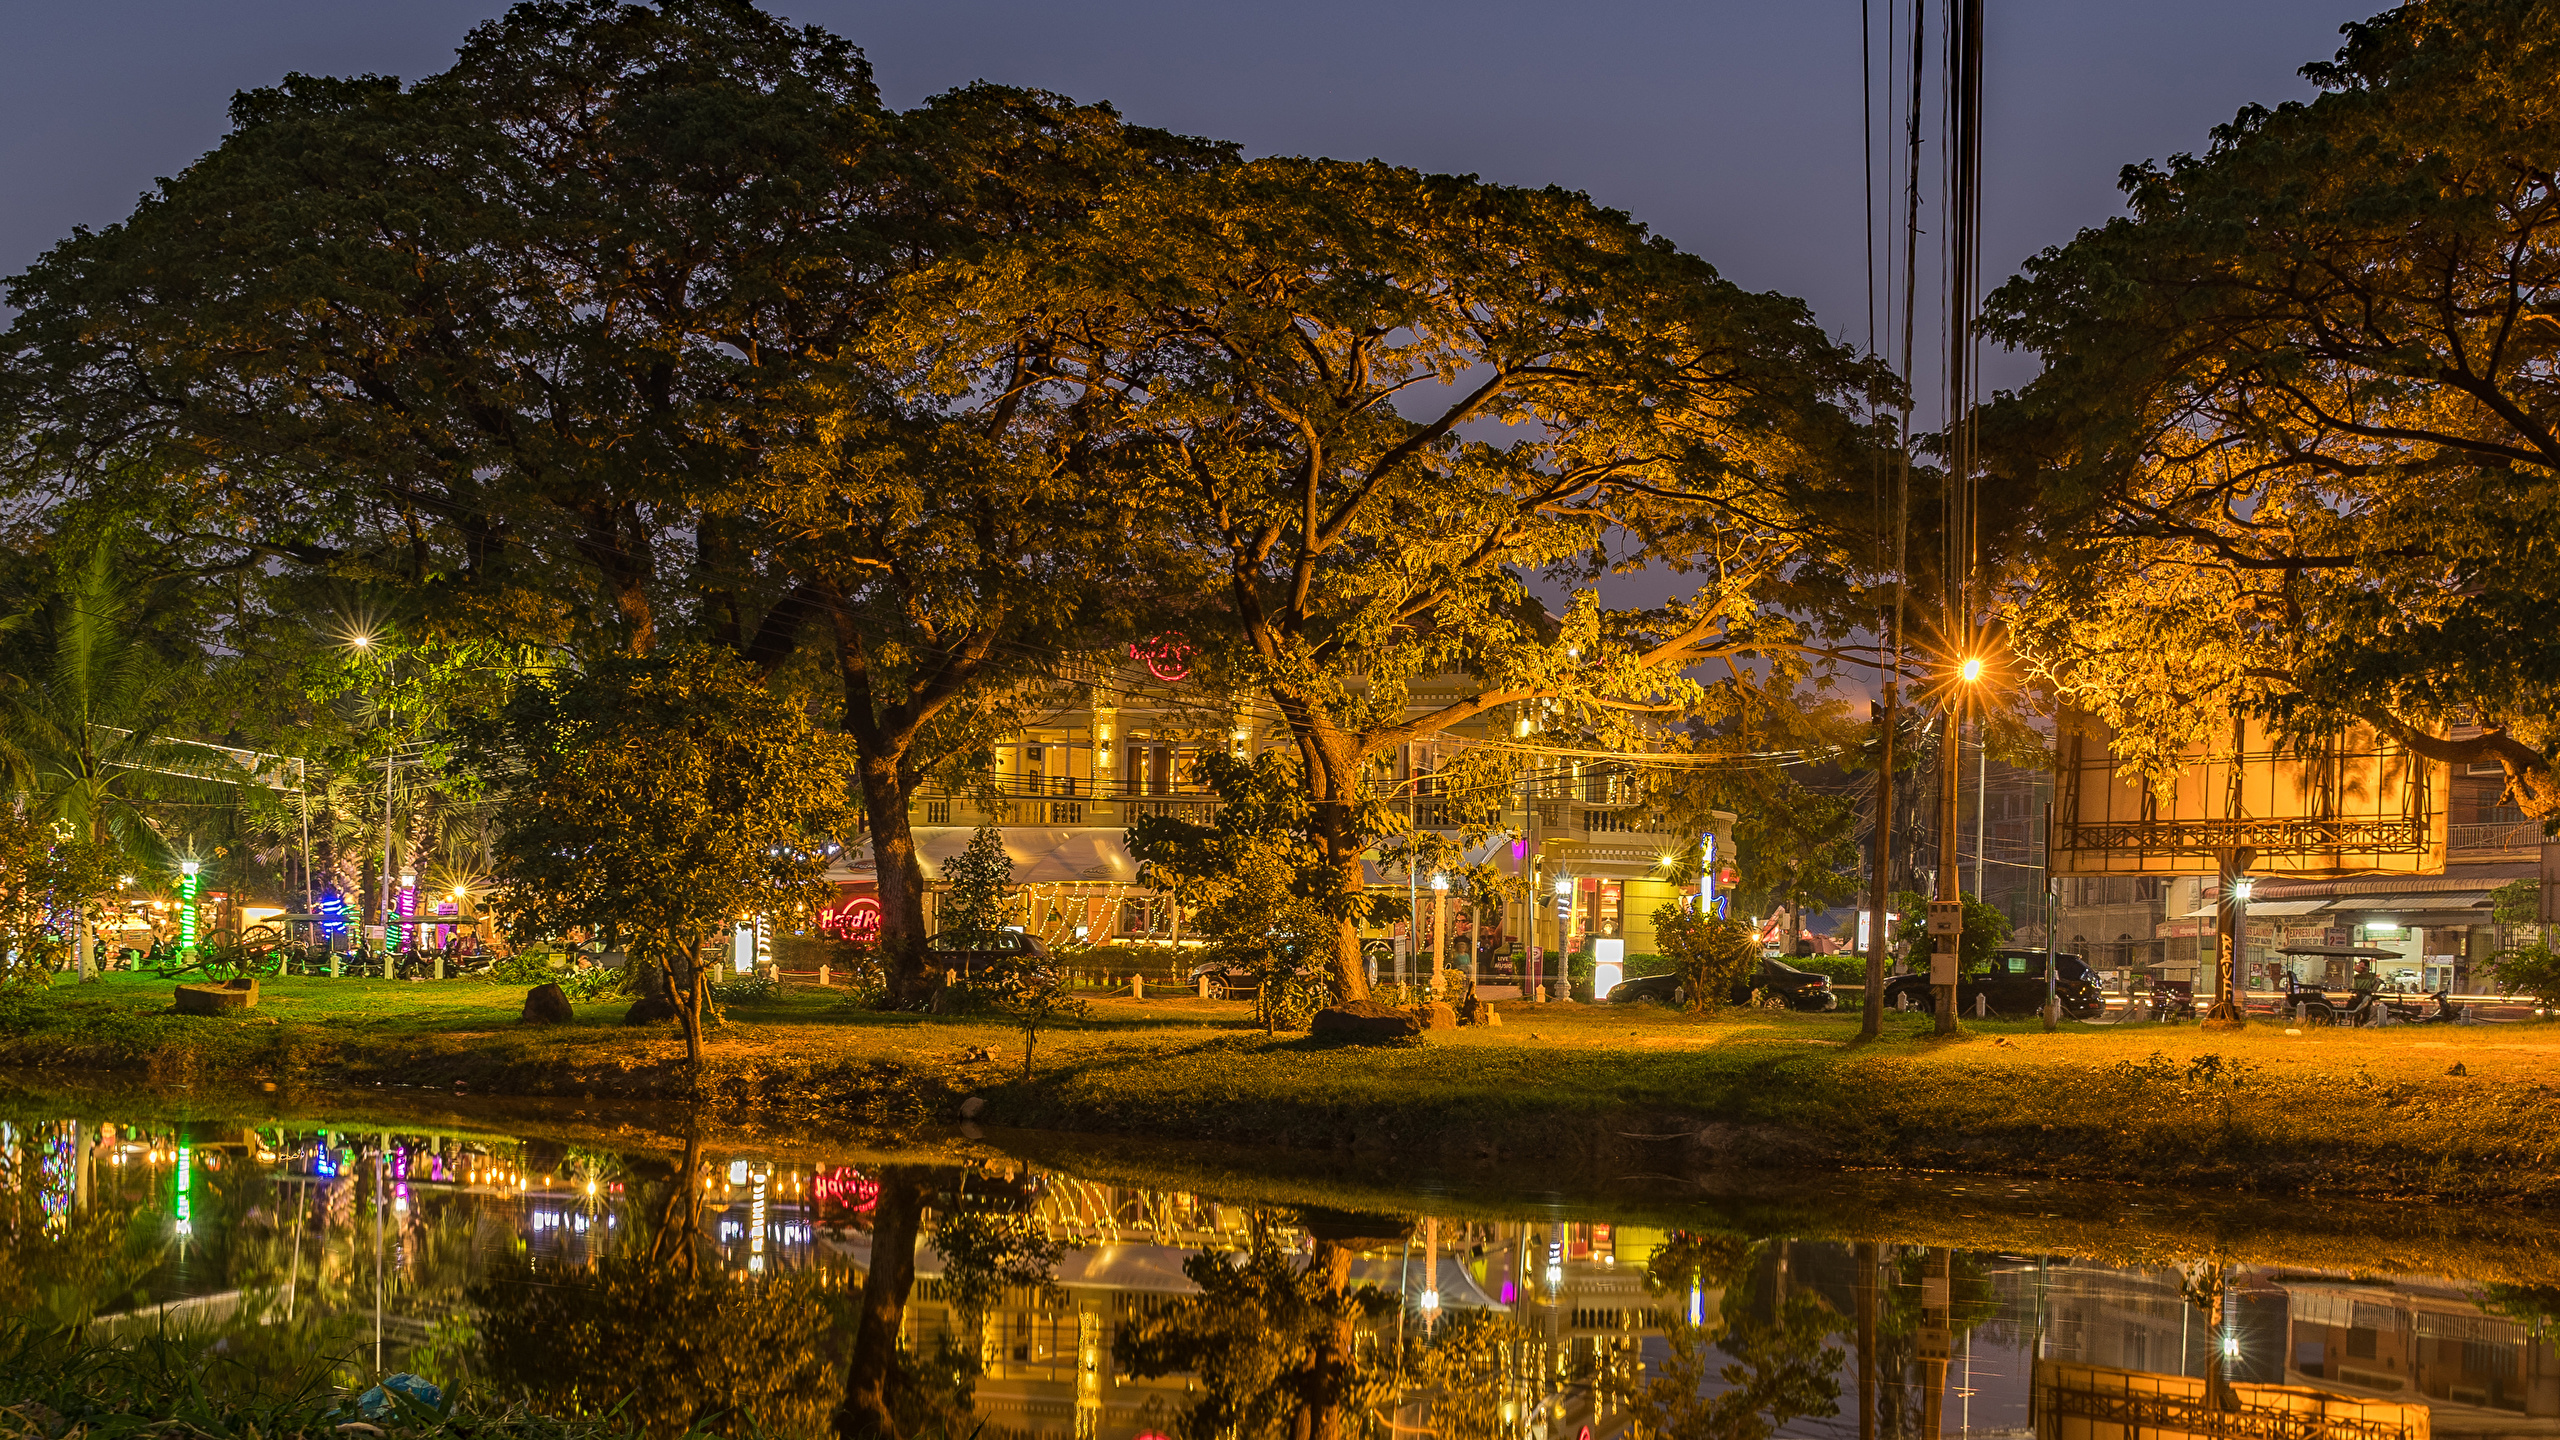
{"points": [[1598, 1090]]}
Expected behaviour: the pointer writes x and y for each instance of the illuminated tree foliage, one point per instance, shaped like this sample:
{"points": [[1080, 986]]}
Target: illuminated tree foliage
{"points": [[1257, 883], [1369, 403], [588, 341], [1269, 1338], [2300, 425], [662, 799], [669, 1350]]}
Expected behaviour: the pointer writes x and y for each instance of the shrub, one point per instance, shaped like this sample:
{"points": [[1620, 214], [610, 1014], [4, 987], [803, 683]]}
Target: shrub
{"points": [[1711, 954], [2530, 970]]}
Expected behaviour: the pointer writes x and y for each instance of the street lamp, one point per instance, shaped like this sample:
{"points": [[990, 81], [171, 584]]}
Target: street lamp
{"points": [[1564, 928], [1439, 930], [1946, 924]]}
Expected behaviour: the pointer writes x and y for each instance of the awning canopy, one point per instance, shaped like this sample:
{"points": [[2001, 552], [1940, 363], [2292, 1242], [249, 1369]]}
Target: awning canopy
{"points": [[2339, 952], [2442, 900], [1041, 855], [2262, 910]]}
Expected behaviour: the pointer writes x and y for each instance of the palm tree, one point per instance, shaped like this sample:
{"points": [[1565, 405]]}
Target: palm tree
{"points": [[77, 726]]}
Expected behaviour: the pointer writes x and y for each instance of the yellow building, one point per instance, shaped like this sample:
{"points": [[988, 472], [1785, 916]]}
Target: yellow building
{"points": [[1116, 747]]}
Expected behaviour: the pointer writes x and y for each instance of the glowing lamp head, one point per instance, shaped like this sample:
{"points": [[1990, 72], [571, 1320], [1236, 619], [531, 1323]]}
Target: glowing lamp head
{"points": [[361, 642], [1971, 670], [187, 868], [1439, 882], [2240, 889], [1564, 885]]}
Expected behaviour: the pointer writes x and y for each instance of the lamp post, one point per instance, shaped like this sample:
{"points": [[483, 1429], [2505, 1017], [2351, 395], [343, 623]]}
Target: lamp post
{"points": [[2230, 948], [1564, 929], [1439, 930], [1946, 913]]}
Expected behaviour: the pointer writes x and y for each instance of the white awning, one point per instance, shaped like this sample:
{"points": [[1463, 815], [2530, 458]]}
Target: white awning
{"points": [[2442, 900], [1041, 855], [2262, 910]]}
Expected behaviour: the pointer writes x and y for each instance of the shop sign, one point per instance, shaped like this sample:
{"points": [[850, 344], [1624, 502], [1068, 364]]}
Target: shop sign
{"points": [[852, 917]]}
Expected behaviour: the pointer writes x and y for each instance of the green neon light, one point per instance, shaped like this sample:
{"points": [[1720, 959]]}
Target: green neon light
{"points": [[187, 881]]}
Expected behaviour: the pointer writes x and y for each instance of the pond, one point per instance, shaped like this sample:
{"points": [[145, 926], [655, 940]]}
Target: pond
{"points": [[1041, 1286]]}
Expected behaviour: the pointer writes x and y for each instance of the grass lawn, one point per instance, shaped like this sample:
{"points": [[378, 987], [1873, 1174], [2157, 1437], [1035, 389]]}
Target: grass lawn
{"points": [[2363, 1111]]}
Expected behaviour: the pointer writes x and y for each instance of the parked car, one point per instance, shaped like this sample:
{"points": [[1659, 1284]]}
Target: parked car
{"points": [[1665, 989], [1799, 989], [2011, 984], [967, 950]]}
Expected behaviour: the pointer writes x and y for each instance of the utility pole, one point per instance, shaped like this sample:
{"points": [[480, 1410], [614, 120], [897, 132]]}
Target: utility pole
{"points": [[1946, 913], [1880, 897], [1880, 889]]}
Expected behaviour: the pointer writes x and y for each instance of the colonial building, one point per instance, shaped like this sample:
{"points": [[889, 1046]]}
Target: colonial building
{"points": [[1121, 746]]}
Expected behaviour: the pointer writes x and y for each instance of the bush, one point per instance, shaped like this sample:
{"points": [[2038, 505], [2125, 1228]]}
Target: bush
{"points": [[525, 967], [1838, 969], [592, 982], [2530, 970], [1711, 954], [742, 990]]}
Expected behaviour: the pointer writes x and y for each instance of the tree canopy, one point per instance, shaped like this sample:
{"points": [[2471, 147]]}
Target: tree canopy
{"points": [[1370, 405], [664, 800], [2299, 426]]}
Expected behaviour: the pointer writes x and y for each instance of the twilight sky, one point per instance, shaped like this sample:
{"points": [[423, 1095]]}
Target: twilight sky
{"points": [[1731, 127]]}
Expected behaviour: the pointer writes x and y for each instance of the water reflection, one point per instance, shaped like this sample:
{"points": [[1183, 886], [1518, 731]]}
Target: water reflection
{"points": [[698, 1289]]}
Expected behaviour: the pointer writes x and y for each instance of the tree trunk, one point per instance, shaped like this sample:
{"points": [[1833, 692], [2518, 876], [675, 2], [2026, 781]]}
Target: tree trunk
{"points": [[885, 793], [685, 988], [866, 1412], [1328, 1374], [1342, 850]]}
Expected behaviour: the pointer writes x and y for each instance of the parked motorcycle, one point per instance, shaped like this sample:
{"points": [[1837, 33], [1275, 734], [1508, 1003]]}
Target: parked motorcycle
{"points": [[2173, 1000]]}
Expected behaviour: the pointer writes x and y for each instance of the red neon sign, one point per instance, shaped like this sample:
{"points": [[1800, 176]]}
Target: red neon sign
{"points": [[1167, 657], [856, 917], [847, 1187]]}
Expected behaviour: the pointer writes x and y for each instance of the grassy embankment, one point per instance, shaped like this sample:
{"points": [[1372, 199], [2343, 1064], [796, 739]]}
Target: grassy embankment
{"points": [[1600, 1089]]}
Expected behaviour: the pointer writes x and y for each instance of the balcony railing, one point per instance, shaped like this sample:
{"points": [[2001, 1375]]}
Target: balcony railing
{"points": [[2512, 837], [1060, 802]]}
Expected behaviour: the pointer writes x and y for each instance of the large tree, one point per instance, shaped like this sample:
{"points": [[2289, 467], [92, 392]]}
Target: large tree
{"points": [[576, 342], [2299, 430], [664, 800], [936, 525], [484, 338], [1369, 405]]}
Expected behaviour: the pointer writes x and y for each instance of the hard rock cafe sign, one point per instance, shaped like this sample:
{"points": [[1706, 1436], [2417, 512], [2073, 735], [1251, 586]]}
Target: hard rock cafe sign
{"points": [[852, 917], [1167, 656]]}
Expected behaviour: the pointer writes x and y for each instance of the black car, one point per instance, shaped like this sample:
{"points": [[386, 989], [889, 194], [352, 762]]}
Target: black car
{"points": [[967, 951], [1798, 989], [1664, 988], [2011, 984]]}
